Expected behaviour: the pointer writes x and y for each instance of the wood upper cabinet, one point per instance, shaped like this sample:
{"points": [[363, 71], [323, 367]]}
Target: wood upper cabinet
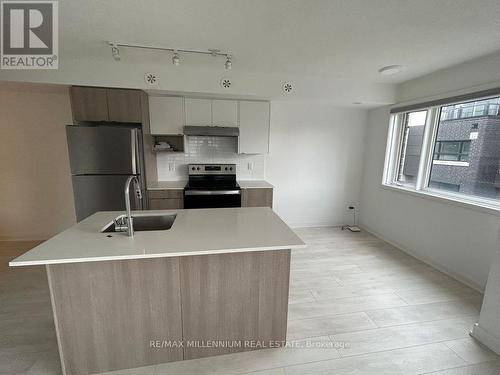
{"points": [[257, 197], [102, 104], [224, 112], [124, 105], [89, 103], [198, 111], [254, 127], [166, 115]]}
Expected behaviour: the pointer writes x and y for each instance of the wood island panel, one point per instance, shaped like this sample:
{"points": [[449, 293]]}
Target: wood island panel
{"points": [[107, 312], [235, 296]]}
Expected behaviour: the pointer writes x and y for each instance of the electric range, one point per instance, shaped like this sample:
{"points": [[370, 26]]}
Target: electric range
{"points": [[212, 186]]}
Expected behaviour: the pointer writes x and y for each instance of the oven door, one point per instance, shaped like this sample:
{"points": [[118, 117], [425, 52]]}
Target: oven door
{"points": [[198, 198]]}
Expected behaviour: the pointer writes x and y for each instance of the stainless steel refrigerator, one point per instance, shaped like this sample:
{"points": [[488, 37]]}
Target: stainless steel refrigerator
{"points": [[101, 159]]}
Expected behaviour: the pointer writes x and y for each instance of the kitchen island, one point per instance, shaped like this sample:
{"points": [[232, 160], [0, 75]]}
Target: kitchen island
{"points": [[216, 282]]}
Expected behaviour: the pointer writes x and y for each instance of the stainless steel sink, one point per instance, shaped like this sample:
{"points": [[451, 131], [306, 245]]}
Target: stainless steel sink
{"points": [[144, 223]]}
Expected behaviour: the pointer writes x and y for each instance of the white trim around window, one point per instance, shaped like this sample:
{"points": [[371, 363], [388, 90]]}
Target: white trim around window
{"points": [[420, 187]]}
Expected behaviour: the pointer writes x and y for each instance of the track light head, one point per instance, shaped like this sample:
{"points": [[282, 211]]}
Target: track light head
{"points": [[176, 60], [229, 62], [115, 51]]}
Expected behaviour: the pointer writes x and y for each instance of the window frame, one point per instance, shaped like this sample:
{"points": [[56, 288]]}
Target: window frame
{"points": [[421, 188]]}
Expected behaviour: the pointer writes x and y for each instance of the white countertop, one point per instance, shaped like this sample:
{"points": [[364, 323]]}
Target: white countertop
{"points": [[255, 184], [167, 185], [194, 232], [179, 185]]}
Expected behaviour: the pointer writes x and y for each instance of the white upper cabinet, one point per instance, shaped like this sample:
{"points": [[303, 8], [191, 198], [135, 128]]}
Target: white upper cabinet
{"points": [[224, 112], [166, 114], [169, 115], [254, 127], [198, 111]]}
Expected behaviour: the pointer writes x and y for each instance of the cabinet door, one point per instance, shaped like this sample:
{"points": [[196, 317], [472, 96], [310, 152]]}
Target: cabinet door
{"points": [[225, 112], [89, 103], [166, 204], [198, 111], [124, 105], [254, 127], [166, 114], [257, 197]]}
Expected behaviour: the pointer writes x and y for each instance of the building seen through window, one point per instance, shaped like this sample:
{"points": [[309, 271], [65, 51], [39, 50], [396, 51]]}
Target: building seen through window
{"points": [[466, 154]]}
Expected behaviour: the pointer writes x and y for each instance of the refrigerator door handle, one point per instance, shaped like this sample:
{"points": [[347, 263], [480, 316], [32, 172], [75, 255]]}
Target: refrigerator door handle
{"points": [[137, 167]]}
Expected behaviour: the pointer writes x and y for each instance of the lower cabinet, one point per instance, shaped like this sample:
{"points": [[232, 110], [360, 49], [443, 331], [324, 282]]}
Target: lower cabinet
{"points": [[166, 204], [166, 199], [173, 199], [257, 197], [140, 312]]}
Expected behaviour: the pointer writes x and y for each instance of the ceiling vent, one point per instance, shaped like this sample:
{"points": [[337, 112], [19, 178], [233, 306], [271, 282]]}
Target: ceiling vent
{"points": [[287, 87], [226, 83], [151, 79]]}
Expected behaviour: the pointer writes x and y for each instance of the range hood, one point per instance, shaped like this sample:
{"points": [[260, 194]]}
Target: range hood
{"points": [[212, 131]]}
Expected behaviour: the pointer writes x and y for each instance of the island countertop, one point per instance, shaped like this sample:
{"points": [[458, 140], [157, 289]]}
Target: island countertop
{"points": [[194, 232]]}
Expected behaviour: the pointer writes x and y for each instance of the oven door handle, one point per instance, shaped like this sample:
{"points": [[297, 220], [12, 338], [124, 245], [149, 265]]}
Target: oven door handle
{"points": [[212, 192]]}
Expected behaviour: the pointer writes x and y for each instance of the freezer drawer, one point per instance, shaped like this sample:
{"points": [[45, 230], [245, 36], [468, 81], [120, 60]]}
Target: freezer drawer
{"points": [[101, 193], [102, 150]]}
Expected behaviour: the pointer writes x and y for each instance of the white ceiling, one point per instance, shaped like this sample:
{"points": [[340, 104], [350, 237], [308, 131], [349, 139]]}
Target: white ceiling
{"points": [[338, 39], [330, 50]]}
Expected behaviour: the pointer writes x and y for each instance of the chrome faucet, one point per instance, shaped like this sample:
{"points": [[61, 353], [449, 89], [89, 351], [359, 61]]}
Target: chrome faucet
{"points": [[127, 223]]}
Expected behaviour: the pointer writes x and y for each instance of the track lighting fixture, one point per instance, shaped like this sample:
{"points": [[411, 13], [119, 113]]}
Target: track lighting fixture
{"points": [[115, 51], [176, 59], [229, 62]]}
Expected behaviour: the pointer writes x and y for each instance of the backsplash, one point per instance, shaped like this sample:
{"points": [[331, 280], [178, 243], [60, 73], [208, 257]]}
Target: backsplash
{"points": [[202, 149]]}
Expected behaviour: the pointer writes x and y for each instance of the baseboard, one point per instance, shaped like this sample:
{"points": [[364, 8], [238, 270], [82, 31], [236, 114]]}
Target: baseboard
{"points": [[313, 225], [427, 261], [318, 224], [486, 338]]}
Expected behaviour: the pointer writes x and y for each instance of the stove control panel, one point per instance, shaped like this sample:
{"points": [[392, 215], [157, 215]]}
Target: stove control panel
{"points": [[211, 169]]}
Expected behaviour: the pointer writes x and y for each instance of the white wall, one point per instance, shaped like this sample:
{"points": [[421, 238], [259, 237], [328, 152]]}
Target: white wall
{"points": [[471, 76], [315, 161], [456, 239], [173, 167], [35, 182]]}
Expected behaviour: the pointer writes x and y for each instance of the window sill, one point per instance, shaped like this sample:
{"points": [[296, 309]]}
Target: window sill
{"points": [[452, 163], [482, 206]]}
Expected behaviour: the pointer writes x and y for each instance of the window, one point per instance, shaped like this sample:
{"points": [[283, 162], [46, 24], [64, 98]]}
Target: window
{"points": [[444, 186], [451, 150], [488, 107], [411, 145]]}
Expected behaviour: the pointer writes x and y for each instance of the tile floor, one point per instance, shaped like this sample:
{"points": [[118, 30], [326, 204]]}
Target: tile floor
{"points": [[357, 306]]}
